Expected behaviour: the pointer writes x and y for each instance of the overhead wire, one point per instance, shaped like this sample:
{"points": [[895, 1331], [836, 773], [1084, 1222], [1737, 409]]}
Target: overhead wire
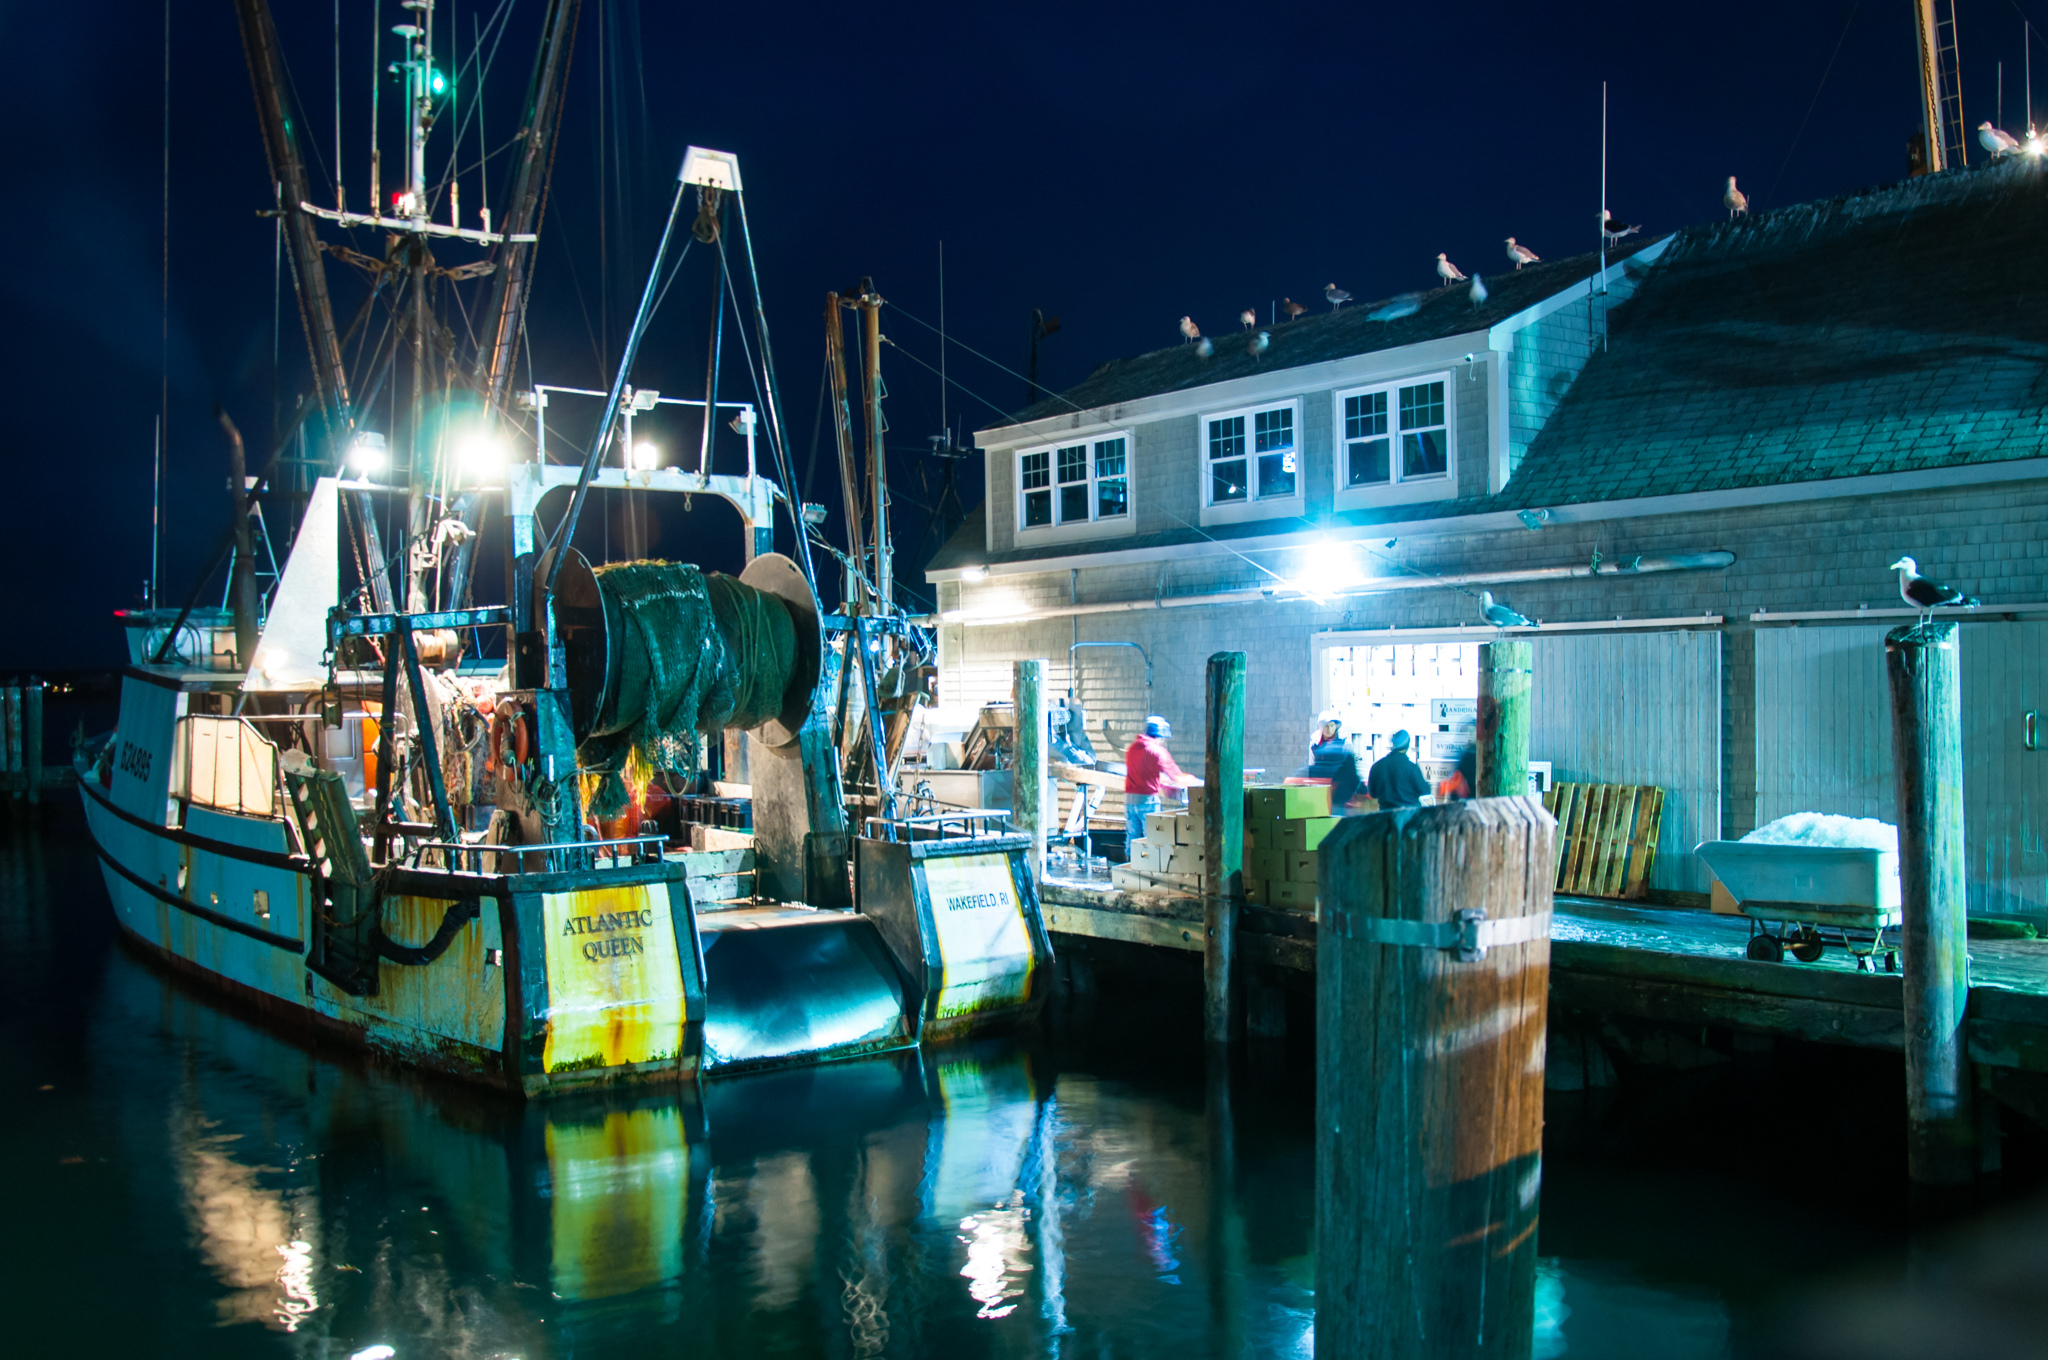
{"points": [[978, 354]]}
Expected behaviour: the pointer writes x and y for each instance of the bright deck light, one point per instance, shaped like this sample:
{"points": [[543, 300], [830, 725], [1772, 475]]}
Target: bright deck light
{"points": [[367, 454], [645, 457]]}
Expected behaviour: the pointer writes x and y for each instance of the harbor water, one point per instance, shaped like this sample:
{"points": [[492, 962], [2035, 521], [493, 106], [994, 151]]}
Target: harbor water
{"points": [[186, 1181]]}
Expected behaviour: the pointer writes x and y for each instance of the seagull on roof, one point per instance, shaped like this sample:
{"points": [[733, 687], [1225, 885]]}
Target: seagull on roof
{"points": [[1499, 615], [1189, 330], [1258, 344], [1336, 296], [1249, 317], [1997, 141], [1926, 595], [1520, 255], [1612, 228], [1734, 200], [1205, 347], [1477, 292], [1447, 271], [1394, 308], [1292, 308]]}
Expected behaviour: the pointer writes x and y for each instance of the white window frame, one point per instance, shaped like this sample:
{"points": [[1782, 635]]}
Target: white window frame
{"points": [[1254, 506], [1399, 490], [1095, 526]]}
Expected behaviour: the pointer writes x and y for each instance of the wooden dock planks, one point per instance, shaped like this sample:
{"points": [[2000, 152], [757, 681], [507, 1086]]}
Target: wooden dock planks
{"points": [[1606, 837]]}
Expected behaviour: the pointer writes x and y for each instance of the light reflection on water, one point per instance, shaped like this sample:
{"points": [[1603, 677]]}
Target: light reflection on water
{"points": [[998, 1199]]}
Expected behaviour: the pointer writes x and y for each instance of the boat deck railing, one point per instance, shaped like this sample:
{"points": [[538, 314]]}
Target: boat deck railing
{"points": [[588, 852], [952, 824]]}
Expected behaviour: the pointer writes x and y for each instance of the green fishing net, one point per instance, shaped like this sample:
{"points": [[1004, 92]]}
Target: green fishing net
{"points": [[696, 654]]}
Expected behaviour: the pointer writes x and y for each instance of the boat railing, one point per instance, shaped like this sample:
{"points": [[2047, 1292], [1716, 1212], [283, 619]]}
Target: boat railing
{"points": [[587, 852], [952, 824]]}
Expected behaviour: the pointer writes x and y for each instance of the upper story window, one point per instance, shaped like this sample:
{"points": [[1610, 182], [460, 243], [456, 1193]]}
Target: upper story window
{"points": [[1087, 482], [1395, 439], [1252, 462]]}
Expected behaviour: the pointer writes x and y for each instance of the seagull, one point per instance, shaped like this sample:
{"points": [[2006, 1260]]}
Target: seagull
{"points": [[1447, 271], [1292, 308], [1249, 317], [1336, 296], [1394, 308], [1735, 200], [1996, 140], [1189, 330], [1477, 291], [1499, 615], [1258, 343], [1612, 229], [1925, 595], [1205, 347], [1520, 255]]}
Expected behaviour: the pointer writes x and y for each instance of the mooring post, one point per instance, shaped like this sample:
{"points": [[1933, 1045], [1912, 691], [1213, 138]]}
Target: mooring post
{"points": [[10, 719], [32, 738], [1432, 987], [1027, 771], [1504, 674], [1222, 846], [1921, 661]]}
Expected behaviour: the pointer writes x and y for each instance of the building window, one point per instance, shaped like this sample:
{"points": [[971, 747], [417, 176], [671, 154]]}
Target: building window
{"points": [[1074, 484], [1253, 456], [1391, 436]]}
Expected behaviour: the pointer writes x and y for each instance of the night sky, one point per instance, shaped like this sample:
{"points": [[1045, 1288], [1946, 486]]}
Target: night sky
{"points": [[1114, 166]]}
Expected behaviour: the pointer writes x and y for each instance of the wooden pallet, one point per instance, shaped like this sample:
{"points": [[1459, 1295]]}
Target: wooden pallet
{"points": [[1606, 837]]}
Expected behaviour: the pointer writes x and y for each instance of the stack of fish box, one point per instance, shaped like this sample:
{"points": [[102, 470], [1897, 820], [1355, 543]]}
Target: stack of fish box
{"points": [[1167, 858], [1284, 827]]}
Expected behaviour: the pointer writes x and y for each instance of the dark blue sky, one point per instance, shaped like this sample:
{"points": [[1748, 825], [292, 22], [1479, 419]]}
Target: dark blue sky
{"points": [[1116, 166]]}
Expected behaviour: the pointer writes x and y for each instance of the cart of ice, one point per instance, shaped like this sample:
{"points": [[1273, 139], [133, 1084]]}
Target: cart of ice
{"points": [[1812, 866]]}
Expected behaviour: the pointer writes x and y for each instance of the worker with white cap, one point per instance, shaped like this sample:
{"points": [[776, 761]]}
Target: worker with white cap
{"points": [[1330, 758], [1148, 768]]}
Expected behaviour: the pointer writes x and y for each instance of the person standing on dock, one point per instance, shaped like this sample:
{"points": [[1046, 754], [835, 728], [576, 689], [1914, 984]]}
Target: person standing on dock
{"points": [[1148, 768], [1330, 758], [1395, 781]]}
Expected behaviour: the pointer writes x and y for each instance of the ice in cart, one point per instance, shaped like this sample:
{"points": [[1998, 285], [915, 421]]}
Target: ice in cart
{"points": [[1811, 880]]}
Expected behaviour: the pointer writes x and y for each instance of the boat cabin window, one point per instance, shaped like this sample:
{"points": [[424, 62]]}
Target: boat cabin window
{"points": [[226, 763]]}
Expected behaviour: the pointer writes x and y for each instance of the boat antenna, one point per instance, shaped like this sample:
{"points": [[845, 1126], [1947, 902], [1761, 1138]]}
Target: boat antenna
{"points": [[156, 504]]}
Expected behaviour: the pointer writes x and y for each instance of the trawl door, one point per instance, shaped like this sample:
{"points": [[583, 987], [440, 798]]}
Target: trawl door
{"points": [[1824, 744], [1637, 708]]}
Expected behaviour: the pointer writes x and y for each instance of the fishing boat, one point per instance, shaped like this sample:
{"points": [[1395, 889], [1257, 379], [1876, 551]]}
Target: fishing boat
{"points": [[472, 836]]}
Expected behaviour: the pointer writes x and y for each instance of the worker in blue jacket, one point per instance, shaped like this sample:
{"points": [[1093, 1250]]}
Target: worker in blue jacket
{"points": [[1395, 781]]}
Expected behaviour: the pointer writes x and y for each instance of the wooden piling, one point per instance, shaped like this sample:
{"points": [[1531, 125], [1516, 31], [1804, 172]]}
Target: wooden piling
{"points": [[32, 738], [1921, 662], [1504, 674], [1223, 847], [1028, 770], [1429, 1079]]}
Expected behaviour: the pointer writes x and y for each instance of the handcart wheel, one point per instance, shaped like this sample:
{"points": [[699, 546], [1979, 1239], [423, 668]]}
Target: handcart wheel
{"points": [[1808, 947], [1891, 960], [1767, 948]]}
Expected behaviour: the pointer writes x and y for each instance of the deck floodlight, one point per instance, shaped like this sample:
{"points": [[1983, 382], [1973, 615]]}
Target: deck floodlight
{"points": [[645, 398], [368, 454], [645, 457], [481, 453], [814, 513]]}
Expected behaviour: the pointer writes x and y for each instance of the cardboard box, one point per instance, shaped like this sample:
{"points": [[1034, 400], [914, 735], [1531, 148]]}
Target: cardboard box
{"points": [[1255, 890], [1720, 900], [1159, 826], [1291, 894], [1306, 833], [1301, 866], [1187, 830], [1285, 801], [1267, 864]]}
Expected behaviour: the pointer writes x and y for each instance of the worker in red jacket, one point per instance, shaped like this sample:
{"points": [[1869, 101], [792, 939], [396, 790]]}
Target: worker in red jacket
{"points": [[1148, 768]]}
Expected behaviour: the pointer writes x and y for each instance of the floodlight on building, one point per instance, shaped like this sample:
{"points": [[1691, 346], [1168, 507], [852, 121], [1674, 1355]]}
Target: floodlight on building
{"points": [[974, 573], [1533, 519]]}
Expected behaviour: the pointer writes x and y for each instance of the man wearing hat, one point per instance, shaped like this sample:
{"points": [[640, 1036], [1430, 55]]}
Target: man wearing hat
{"points": [[1147, 769], [1395, 781], [1330, 758]]}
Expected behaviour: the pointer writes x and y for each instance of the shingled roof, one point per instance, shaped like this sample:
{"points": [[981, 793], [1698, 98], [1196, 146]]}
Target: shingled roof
{"points": [[1322, 336], [1900, 329]]}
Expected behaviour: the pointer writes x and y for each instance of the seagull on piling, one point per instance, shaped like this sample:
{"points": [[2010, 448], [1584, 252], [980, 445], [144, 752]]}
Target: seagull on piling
{"points": [[1520, 255], [1336, 296], [1477, 292], [1189, 330], [1612, 228], [1926, 595], [1499, 615], [1734, 200], [1258, 344], [1447, 271], [1292, 308], [1996, 140]]}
